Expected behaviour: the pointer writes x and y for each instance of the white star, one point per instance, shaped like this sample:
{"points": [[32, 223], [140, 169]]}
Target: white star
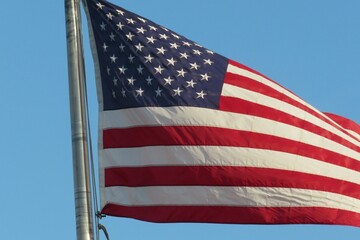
{"points": [[108, 70], [196, 44], [149, 80], [113, 94], [122, 47], [152, 28], [208, 51], [184, 55], [191, 83], [141, 30], [176, 36], [159, 69], [186, 43], [158, 92], [197, 52], [112, 36], [140, 69], [113, 58], [100, 5], [171, 61], [131, 58], [130, 20], [201, 94], [123, 92], [208, 61], [151, 39], [115, 80], [177, 91], [120, 26], [139, 92], [148, 58], [130, 36], [168, 81], [161, 50], [105, 47], [194, 66], [131, 81], [181, 73], [139, 47], [120, 12], [205, 77], [141, 19], [164, 36], [103, 26], [122, 69], [165, 29], [109, 16], [174, 45]]}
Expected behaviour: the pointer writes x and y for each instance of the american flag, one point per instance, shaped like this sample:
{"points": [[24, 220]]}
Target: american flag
{"points": [[187, 135]]}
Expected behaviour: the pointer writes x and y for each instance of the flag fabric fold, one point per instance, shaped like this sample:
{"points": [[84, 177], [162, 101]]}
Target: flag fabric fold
{"points": [[187, 135]]}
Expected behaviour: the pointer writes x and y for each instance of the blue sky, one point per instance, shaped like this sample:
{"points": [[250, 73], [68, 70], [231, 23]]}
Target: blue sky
{"points": [[310, 47]]}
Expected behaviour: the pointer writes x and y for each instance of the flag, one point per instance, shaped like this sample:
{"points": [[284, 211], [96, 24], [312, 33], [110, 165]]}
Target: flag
{"points": [[187, 135]]}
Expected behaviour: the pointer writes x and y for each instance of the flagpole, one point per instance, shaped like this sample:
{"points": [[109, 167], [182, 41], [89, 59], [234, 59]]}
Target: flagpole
{"points": [[82, 188]]}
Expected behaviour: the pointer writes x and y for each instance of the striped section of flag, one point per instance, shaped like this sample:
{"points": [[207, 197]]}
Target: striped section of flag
{"points": [[255, 153], [265, 151]]}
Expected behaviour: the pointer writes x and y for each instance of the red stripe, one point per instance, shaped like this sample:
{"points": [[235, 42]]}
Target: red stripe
{"points": [[211, 136], [243, 215], [225, 176], [255, 86], [237, 105]]}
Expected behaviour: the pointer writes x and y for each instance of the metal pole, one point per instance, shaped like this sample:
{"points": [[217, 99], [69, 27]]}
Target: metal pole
{"points": [[82, 189]]}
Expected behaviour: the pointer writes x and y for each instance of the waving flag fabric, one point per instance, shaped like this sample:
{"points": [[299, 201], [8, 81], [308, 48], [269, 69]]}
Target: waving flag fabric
{"points": [[187, 135]]}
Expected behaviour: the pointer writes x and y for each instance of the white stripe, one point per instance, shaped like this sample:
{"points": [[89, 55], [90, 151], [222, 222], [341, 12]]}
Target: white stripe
{"points": [[255, 97], [355, 134], [191, 116], [256, 77], [223, 156], [229, 196]]}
